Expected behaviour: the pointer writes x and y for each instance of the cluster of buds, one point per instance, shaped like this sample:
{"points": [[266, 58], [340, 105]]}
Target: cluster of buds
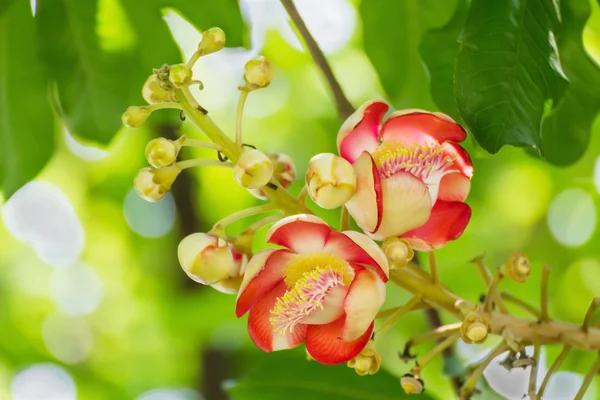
{"points": [[474, 329], [368, 361], [284, 172]]}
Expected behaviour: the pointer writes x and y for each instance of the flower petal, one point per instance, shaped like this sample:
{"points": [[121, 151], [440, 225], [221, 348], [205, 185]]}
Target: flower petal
{"points": [[262, 332], [355, 247], [263, 273], [406, 205], [361, 130], [324, 344], [365, 297], [303, 233], [447, 222], [462, 163], [454, 187], [333, 307], [365, 205], [421, 127]]}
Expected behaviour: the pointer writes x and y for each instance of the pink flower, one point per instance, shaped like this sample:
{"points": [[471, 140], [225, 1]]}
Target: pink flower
{"points": [[323, 288], [412, 176]]}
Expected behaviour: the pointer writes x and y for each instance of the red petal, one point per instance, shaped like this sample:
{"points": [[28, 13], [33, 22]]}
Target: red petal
{"points": [[463, 160], [262, 331], [421, 127], [357, 248], [447, 222], [301, 233], [365, 297], [360, 131], [454, 187], [324, 344], [263, 273], [366, 204]]}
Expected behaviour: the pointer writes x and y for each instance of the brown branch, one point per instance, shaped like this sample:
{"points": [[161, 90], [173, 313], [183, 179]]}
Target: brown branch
{"points": [[344, 107]]}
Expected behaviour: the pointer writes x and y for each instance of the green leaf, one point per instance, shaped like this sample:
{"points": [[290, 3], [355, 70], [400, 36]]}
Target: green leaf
{"points": [[27, 122], [284, 376], [566, 132], [438, 49], [392, 32], [508, 71], [4, 5]]}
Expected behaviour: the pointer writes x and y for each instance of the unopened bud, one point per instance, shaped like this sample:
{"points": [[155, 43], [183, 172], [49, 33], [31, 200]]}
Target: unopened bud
{"points": [[207, 259], [330, 180], [259, 72], [253, 169], [411, 384], [161, 152], [367, 362], [134, 117], [283, 170], [398, 252], [180, 75], [153, 92], [474, 329], [517, 267], [152, 183], [213, 40]]}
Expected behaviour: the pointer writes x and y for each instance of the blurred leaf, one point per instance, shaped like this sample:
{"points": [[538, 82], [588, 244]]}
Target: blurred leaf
{"points": [[4, 5], [566, 132], [284, 376], [27, 122], [392, 32], [438, 49], [507, 71]]}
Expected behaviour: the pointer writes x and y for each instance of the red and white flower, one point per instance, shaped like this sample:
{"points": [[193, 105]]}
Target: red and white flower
{"points": [[323, 288], [412, 176]]}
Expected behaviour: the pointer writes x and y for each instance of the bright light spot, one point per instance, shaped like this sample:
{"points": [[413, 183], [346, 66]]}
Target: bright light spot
{"points": [[40, 215], [43, 382], [170, 394], [597, 175], [77, 290], [68, 339], [33, 4], [572, 217], [262, 16], [90, 153], [149, 219]]}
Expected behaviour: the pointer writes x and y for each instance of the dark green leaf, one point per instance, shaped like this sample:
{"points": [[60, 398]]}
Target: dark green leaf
{"points": [[27, 122], [4, 4], [566, 132], [507, 70], [284, 376], [392, 33]]}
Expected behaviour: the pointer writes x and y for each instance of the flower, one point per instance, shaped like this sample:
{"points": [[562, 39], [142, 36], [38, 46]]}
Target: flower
{"points": [[323, 288], [412, 176]]}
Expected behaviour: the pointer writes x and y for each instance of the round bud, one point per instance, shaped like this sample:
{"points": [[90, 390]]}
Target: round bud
{"points": [[161, 152], [398, 252], [367, 362], [207, 259], [330, 180], [180, 75], [474, 329], [152, 184], [134, 117], [253, 169], [259, 72], [517, 267], [153, 92], [411, 384], [283, 170], [213, 40]]}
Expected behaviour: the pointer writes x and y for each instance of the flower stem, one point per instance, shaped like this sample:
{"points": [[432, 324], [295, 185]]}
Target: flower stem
{"points": [[201, 144], [344, 219], [243, 214], [240, 116], [555, 365], [391, 321], [487, 278], [197, 54], [263, 222], [203, 163], [449, 341], [525, 306], [438, 333], [469, 385], [435, 278], [589, 377], [533, 372], [544, 293], [590, 313], [492, 291]]}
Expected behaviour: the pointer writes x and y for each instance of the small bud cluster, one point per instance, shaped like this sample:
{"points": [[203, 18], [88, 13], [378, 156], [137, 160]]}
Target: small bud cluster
{"points": [[253, 169], [284, 172], [367, 362]]}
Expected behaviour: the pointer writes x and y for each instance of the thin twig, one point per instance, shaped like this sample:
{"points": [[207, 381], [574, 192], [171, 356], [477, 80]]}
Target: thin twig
{"points": [[391, 321], [525, 306], [559, 360], [590, 313], [439, 348], [492, 291], [487, 278], [469, 385], [533, 372], [344, 219], [435, 277], [344, 107], [589, 377], [544, 293]]}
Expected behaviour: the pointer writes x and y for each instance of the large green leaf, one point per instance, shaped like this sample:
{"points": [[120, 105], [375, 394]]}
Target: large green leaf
{"points": [[392, 32], [284, 376], [508, 71], [566, 132], [26, 122]]}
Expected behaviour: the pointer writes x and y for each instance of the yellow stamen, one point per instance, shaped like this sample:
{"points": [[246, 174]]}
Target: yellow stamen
{"points": [[295, 269]]}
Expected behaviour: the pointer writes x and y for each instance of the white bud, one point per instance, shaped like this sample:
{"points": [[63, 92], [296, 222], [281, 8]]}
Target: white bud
{"points": [[253, 169], [207, 259], [284, 171], [330, 180], [134, 117], [213, 40], [161, 152], [152, 184], [259, 71]]}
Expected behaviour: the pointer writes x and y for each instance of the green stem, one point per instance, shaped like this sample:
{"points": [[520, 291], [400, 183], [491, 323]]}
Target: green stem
{"points": [[200, 144], [240, 115], [243, 214], [203, 163]]}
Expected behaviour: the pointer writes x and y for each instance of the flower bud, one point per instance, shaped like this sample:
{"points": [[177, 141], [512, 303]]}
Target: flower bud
{"points": [[253, 170], [330, 180], [517, 267], [398, 252], [207, 259], [161, 152], [474, 329], [367, 362], [180, 75], [154, 93], [152, 184], [259, 72], [283, 170], [134, 117], [411, 384], [213, 40]]}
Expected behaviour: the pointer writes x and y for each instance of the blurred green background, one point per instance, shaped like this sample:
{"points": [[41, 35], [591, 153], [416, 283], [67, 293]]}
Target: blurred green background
{"points": [[93, 303]]}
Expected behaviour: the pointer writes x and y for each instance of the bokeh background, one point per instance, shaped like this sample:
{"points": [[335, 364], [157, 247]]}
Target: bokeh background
{"points": [[93, 303]]}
